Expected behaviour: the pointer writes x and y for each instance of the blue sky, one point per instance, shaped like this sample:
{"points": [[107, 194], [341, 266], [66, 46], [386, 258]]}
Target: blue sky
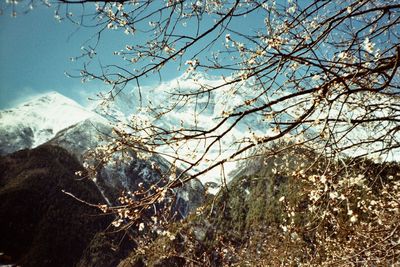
{"points": [[35, 52]]}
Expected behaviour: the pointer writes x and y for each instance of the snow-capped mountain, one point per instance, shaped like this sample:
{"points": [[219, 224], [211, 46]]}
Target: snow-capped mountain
{"points": [[204, 111], [37, 121], [34, 122], [57, 120]]}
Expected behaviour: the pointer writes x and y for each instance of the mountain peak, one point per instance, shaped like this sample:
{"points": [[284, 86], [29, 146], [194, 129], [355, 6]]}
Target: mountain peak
{"points": [[51, 97], [38, 120]]}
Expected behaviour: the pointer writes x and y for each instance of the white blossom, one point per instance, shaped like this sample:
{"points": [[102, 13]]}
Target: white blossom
{"points": [[368, 45]]}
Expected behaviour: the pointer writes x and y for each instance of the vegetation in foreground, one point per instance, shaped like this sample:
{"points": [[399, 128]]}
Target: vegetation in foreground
{"points": [[297, 209]]}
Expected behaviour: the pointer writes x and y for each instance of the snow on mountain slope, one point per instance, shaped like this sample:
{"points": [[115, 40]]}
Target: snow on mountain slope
{"points": [[84, 136], [119, 108], [34, 122], [205, 111], [202, 113]]}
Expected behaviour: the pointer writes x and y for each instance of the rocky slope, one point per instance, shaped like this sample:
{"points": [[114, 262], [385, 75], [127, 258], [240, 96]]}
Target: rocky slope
{"points": [[128, 171]]}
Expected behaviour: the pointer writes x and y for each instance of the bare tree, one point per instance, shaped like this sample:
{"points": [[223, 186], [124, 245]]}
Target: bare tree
{"points": [[316, 74]]}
